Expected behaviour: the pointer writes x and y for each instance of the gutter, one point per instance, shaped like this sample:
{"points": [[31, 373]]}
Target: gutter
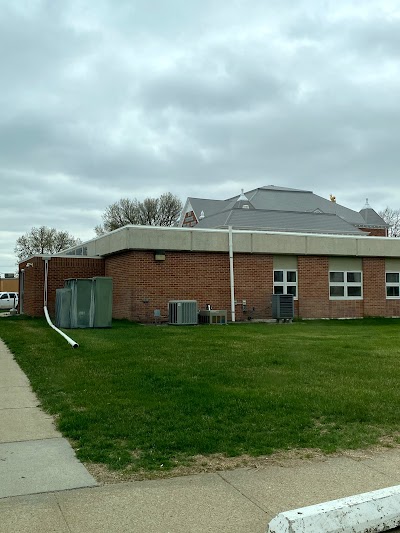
{"points": [[232, 277]]}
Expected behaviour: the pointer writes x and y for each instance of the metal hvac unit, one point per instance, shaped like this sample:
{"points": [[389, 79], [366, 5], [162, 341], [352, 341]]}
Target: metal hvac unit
{"points": [[63, 308], [212, 316], [282, 307], [182, 312], [84, 303], [81, 302]]}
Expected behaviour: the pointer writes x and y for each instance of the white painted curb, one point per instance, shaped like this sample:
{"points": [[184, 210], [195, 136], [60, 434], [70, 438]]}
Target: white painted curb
{"points": [[370, 512]]}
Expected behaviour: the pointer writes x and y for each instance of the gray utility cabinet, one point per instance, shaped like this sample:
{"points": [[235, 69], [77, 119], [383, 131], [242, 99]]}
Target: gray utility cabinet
{"points": [[84, 303], [282, 306]]}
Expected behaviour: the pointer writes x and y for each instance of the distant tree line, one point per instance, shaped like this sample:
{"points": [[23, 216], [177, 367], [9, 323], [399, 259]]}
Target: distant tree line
{"points": [[162, 211], [391, 217], [43, 240]]}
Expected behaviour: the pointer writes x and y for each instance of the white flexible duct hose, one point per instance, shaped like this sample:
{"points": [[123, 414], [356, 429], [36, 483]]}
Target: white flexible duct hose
{"points": [[50, 323], [46, 313]]}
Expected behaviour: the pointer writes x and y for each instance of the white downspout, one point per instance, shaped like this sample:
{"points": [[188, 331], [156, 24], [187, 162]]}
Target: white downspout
{"points": [[46, 313], [232, 277]]}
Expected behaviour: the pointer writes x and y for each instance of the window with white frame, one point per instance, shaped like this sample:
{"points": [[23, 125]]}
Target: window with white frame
{"points": [[392, 284], [285, 282], [345, 285]]}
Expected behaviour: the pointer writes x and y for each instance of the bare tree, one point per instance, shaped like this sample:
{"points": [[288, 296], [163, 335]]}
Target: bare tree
{"points": [[43, 240], [162, 211], [119, 214], [169, 208], [391, 217]]}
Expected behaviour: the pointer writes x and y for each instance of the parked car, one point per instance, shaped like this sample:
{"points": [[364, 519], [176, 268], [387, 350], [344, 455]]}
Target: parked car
{"points": [[8, 300]]}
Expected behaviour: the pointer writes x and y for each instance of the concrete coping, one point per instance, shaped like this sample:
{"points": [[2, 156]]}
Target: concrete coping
{"points": [[370, 512]]}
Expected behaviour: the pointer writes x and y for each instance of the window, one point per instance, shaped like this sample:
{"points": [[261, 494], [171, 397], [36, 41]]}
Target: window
{"points": [[285, 282], [82, 250], [392, 285], [345, 285]]}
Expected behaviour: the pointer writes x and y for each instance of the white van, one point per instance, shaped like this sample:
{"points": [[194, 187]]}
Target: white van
{"points": [[8, 300]]}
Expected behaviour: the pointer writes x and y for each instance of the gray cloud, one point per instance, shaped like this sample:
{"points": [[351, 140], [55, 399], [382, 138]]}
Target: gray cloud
{"points": [[113, 99]]}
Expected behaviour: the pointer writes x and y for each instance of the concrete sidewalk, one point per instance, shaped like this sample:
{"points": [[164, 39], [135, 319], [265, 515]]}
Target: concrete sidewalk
{"points": [[34, 457], [237, 501], [37, 465]]}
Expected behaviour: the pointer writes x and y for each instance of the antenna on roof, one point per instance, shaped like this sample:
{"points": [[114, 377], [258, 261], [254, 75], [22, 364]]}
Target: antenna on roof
{"points": [[366, 206]]}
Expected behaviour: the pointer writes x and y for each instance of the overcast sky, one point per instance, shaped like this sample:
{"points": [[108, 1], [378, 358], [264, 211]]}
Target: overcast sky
{"points": [[132, 98]]}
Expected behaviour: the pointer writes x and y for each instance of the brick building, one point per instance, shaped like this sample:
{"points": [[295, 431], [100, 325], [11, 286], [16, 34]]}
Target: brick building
{"points": [[9, 283], [330, 276]]}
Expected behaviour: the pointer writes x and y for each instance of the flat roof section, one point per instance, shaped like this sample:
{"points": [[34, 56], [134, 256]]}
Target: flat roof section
{"points": [[244, 241]]}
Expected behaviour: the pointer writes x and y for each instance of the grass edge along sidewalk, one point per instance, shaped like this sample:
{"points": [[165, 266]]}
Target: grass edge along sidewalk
{"points": [[148, 399]]}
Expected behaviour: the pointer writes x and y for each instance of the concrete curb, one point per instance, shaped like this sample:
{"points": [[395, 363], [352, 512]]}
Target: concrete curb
{"points": [[370, 512]]}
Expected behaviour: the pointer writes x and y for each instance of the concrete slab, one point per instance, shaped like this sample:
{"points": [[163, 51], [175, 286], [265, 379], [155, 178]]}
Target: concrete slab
{"points": [[6, 357], [40, 466], [5, 353], [32, 514], [371, 511], [387, 463], [17, 397], [26, 424], [193, 504], [307, 483], [12, 375]]}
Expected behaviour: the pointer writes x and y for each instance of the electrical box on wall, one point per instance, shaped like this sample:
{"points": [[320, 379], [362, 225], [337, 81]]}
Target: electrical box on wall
{"points": [[159, 255]]}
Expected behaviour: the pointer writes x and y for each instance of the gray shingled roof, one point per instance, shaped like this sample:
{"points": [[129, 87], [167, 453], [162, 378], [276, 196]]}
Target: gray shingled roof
{"points": [[281, 201], [210, 207], [371, 218], [273, 220]]}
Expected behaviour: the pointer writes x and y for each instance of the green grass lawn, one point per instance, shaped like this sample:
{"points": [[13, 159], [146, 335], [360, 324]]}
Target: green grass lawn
{"points": [[139, 396]]}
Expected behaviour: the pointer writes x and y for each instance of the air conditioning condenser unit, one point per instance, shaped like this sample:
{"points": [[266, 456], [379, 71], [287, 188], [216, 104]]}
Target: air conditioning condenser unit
{"points": [[283, 307], [182, 312]]}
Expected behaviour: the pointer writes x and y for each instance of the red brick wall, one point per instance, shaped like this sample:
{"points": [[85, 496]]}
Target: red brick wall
{"points": [[374, 286], [33, 294], [142, 284], [313, 286], [190, 220], [392, 308], [375, 232], [60, 268], [346, 309], [253, 283], [314, 299]]}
